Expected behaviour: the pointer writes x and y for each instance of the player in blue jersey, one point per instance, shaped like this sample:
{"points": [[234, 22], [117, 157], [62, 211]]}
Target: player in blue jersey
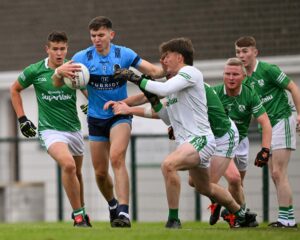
{"points": [[108, 134]]}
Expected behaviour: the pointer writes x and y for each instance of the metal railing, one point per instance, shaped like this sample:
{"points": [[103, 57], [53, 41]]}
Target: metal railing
{"points": [[135, 166]]}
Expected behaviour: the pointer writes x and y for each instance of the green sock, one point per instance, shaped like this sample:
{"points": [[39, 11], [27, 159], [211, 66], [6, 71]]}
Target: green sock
{"points": [[283, 214], [243, 206], [240, 213], [79, 211], [173, 214], [292, 220]]}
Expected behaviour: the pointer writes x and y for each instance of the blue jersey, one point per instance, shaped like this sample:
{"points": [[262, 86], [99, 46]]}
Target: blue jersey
{"points": [[102, 87]]}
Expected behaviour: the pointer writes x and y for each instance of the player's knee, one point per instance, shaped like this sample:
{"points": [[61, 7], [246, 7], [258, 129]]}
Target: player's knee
{"points": [[276, 175], [101, 175], [167, 167], [234, 180], [117, 162], [205, 190], [69, 168]]}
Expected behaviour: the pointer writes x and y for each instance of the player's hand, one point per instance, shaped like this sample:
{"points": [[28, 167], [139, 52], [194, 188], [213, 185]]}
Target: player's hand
{"points": [[68, 69], [27, 127], [171, 133], [121, 108], [262, 157], [109, 104], [84, 108], [126, 74]]}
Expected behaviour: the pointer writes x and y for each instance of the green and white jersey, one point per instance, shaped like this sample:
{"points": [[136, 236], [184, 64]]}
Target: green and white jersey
{"points": [[241, 107], [56, 106], [270, 83], [186, 103], [217, 117]]}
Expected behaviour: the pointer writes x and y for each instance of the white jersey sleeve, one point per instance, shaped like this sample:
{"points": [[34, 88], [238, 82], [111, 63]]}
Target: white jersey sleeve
{"points": [[186, 103], [173, 85]]}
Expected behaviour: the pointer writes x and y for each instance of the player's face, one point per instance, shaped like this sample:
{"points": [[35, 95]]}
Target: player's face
{"points": [[101, 39], [57, 52], [171, 62], [233, 77], [247, 55]]}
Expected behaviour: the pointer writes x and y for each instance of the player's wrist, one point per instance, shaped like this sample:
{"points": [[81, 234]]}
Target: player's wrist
{"points": [[22, 119], [57, 74], [148, 112], [265, 149], [143, 83]]}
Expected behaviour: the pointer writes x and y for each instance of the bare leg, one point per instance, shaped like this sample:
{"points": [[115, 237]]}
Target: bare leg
{"points": [[278, 165], [233, 178], [100, 158], [60, 153], [119, 137], [78, 162], [202, 184]]}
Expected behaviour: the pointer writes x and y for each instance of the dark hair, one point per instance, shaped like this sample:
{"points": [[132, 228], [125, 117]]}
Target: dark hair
{"points": [[246, 41], [182, 46], [100, 21], [57, 36]]}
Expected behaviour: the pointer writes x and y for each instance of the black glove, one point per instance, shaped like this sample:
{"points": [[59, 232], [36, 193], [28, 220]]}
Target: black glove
{"points": [[126, 74], [262, 157], [152, 98], [171, 133], [84, 108], [27, 127]]}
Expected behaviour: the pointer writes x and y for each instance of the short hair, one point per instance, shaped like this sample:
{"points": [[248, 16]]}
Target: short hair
{"points": [[57, 36], [236, 62], [100, 21], [246, 41], [182, 45]]}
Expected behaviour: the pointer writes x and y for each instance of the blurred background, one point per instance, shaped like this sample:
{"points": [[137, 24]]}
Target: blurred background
{"points": [[29, 178]]}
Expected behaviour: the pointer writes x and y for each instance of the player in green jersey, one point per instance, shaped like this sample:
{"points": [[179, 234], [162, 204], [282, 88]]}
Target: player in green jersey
{"points": [[270, 84], [241, 102], [59, 126]]}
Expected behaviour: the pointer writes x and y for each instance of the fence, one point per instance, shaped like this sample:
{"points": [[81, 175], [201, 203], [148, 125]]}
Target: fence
{"points": [[148, 200]]}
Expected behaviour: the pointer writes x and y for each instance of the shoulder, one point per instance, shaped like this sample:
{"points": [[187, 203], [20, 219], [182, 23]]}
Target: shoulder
{"points": [[119, 50], [218, 88], [248, 92], [265, 67], [84, 54], [190, 71], [35, 67]]}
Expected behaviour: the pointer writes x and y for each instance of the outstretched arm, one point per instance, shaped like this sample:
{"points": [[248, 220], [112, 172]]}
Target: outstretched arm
{"points": [[151, 69], [121, 108]]}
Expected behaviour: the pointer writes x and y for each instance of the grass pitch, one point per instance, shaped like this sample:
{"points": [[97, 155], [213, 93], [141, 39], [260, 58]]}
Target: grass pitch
{"points": [[143, 231]]}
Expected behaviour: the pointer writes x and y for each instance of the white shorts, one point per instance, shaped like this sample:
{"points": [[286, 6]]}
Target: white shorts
{"points": [[242, 155], [284, 134], [206, 146], [73, 139], [227, 144]]}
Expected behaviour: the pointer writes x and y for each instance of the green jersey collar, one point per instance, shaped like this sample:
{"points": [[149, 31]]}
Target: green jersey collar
{"points": [[256, 65], [46, 63], [225, 92]]}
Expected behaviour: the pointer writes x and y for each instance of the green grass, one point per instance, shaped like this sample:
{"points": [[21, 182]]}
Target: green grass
{"points": [[143, 231]]}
